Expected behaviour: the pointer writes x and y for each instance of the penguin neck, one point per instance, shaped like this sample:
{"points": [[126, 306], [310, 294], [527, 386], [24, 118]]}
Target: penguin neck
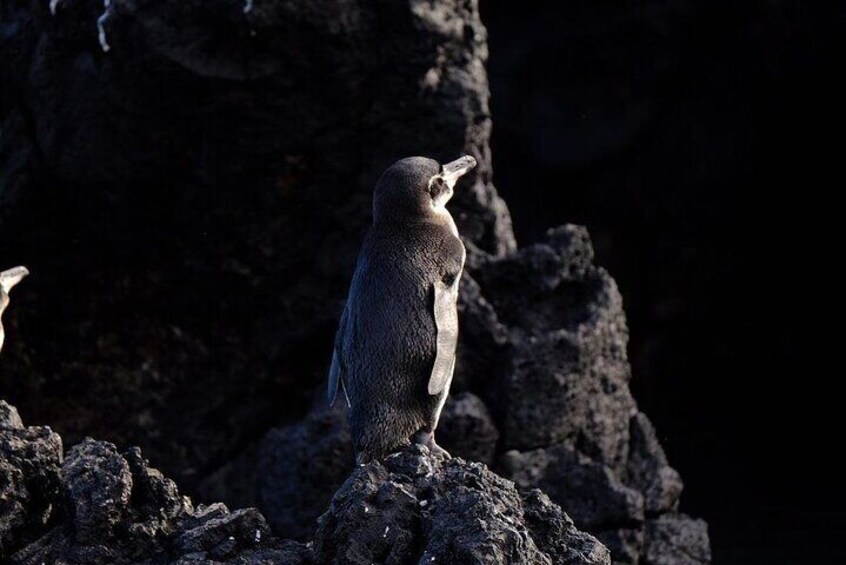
{"points": [[442, 216], [441, 219]]}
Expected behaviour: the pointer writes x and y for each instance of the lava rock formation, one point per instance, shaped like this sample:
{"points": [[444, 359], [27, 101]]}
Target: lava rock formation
{"points": [[100, 506]]}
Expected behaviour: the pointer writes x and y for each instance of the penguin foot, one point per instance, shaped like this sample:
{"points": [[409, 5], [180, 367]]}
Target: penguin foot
{"points": [[428, 439], [435, 448]]}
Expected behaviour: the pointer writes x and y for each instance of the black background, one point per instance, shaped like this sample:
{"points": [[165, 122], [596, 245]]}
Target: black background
{"points": [[697, 143]]}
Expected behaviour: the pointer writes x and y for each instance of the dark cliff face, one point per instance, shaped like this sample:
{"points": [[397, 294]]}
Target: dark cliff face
{"points": [[191, 204]]}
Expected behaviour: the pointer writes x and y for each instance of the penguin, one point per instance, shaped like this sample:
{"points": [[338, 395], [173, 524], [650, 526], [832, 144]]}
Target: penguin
{"points": [[8, 279], [394, 351]]}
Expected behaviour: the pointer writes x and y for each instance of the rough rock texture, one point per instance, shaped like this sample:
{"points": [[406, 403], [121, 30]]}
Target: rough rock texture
{"points": [[626, 544], [299, 467], [100, 506], [648, 470], [467, 429], [113, 508], [569, 422], [567, 375], [676, 540], [9, 416], [416, 507], [596, 496], [30, 459]]}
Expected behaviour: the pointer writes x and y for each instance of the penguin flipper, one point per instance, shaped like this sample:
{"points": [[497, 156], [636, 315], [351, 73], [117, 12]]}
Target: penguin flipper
{"points": [[335, 379], [446, 322]]}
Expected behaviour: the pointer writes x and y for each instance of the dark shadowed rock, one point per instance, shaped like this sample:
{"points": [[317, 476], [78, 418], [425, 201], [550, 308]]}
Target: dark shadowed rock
{"points": [[97, 483], [156, 501], [559, 392], [276, 553], [467, 429], [626, 545], [9, 417], [30, 459], [589, 490], [236, 481], [676, 539], [110, 511], [108, 508], [222, 535], [299, 467], [418, 507], [482, 342], [568, 375], [648, 470], [113, 508], [555, 533]]}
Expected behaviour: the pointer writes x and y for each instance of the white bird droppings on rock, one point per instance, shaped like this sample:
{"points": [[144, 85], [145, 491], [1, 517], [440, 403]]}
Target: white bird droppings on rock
{"points": [[101, 22]]}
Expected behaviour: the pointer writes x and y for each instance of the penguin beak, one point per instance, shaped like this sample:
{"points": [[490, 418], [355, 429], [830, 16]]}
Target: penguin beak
{"points": [[10, 278], [456, 169]]}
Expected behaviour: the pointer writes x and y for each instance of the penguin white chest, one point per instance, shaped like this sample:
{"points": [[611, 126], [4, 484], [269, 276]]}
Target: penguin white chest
{"points": [[443, 214]]}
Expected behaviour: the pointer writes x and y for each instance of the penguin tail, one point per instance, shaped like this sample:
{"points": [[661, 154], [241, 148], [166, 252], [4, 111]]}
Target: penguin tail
{"points": [[376, 451]]}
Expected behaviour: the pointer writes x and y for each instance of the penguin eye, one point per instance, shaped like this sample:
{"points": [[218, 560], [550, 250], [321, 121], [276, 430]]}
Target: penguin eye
{"points": [[436, 187]]}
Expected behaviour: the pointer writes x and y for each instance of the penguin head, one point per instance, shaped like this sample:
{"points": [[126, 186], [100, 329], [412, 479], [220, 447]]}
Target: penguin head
{"points": [[417, 188], [8, 279]]}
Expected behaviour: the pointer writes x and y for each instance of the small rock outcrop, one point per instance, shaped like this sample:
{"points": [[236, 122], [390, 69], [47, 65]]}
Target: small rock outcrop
{"points": [[676, 539], [415, 507], [30, 463], [569, 423], [97, 505]]}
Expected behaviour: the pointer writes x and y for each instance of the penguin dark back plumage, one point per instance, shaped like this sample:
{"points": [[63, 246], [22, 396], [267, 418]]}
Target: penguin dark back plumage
{"points": [[394, 351]]}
